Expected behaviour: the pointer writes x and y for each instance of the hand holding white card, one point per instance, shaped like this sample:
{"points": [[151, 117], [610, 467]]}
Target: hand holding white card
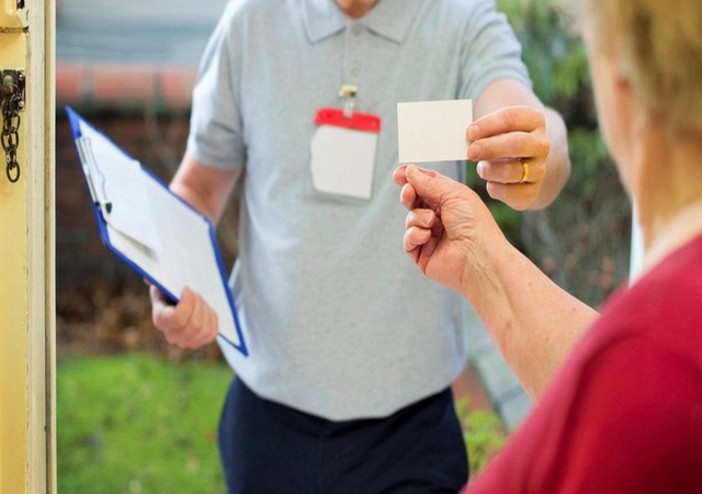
{"points": [[433, 130]]}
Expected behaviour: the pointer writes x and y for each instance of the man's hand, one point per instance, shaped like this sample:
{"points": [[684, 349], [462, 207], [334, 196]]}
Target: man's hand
{"points": [[511, 147], [511, 124], [189, 324]]}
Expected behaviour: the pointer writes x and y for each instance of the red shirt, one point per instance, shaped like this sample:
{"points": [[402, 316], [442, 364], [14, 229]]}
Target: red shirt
{"points": [[624, 414]]}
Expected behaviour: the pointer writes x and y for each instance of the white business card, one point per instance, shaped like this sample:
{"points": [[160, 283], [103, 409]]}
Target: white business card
{"points": [[433, 130]]}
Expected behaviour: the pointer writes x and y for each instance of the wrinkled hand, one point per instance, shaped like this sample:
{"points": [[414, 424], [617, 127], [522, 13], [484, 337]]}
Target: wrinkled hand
{"points": [[499, 142], [447, 226], [189, 324]]}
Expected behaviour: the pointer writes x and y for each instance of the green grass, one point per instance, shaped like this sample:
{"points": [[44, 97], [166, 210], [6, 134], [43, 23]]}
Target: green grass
{"points": [[135, 423], [138, 424]]}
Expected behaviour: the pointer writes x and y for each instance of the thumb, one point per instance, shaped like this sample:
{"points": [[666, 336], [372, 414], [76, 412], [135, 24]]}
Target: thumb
{"points": [[430, 185]]}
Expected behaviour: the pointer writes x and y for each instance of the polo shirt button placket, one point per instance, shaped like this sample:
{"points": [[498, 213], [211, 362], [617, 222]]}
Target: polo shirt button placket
{"points": [[353, 67]]}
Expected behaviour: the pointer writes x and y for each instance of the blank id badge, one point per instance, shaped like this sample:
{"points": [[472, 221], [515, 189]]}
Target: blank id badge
{"points": [[343, 152]]}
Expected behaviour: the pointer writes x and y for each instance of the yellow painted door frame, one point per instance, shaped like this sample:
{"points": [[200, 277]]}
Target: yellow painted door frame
{"points": [[27, 258]]}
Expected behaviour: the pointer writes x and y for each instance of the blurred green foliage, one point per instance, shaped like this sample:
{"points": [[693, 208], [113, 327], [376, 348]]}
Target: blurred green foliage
{"points": [[582, 240], [483, 434]]}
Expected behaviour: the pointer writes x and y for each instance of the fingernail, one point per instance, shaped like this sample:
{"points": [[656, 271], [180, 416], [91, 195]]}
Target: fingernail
{"points": [[473, 132], [480, 167], [474, 151]]}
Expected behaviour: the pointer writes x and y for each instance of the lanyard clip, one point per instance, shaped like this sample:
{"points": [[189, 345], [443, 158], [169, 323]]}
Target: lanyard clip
{"points": [[348, 93]]}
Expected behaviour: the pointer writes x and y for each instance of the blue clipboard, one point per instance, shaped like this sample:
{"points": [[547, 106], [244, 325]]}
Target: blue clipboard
{"points": [[154, 231]]}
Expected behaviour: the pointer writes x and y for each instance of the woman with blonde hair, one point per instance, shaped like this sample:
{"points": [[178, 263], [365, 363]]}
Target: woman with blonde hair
{"points": [[619, 405]]}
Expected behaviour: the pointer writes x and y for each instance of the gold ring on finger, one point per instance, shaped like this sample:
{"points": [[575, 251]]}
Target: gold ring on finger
{"points": [[525, 171]]}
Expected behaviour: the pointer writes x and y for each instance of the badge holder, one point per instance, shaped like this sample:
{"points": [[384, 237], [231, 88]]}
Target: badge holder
{"points": [[343, 149]]}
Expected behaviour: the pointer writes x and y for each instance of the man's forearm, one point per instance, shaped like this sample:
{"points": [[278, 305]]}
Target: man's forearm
{"points": [[206, 189]]}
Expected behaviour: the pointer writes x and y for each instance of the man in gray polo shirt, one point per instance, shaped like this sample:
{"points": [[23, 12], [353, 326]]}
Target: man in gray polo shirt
{"points": [[352, 351]]}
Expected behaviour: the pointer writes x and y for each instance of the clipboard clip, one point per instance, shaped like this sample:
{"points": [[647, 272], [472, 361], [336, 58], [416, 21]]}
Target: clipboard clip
{"points": [[348, 92], [92, 172]]}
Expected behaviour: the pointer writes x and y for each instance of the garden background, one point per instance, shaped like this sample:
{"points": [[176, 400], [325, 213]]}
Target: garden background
{"points": [[137, 415]]}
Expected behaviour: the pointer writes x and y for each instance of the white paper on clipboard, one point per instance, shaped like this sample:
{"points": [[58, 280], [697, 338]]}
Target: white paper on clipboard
{"points": [[154, 231]]}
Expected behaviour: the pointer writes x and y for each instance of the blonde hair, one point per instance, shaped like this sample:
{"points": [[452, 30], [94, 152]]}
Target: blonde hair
{"points": [[660, 43]]}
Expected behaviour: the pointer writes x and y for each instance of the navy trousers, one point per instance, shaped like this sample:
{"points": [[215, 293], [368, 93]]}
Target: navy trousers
{"points": [[266, 448]]}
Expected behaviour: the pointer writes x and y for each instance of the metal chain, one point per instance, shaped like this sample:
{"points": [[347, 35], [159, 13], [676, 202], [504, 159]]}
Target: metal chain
{"points": [[11, 105]]}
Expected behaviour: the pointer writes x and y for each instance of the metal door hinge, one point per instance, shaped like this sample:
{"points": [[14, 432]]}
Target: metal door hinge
{"points": [[12, 85], [14, 16]]}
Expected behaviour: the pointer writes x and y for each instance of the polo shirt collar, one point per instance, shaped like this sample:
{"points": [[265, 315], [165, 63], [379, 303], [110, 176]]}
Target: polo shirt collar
{"points": [[390, 19]]}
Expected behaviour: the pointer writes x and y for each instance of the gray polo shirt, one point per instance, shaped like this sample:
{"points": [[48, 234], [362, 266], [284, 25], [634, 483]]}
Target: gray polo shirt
{"points": [[338, 320]]}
